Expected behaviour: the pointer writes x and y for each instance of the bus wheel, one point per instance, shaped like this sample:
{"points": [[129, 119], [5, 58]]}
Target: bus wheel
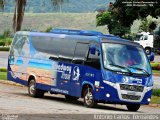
{"points": [[148, 51], [71, 98], [33, 92], [133, 107], [89, 98]]}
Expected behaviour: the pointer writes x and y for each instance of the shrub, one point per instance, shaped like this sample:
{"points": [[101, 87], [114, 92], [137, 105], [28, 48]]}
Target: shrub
{"points": [[157, 44], [156, 92], [2, 43], [3, 70], [48, 29], [4, 48], [155, 66], [1, 37], [8, 41], [7, 33]]}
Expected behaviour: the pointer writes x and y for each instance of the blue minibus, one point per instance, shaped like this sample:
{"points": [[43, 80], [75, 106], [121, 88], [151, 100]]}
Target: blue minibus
{"points": [[81, 64]]}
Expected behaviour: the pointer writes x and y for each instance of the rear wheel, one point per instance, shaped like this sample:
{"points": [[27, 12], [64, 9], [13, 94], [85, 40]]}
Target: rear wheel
{"points": [[89, 98], [133, 107], [33, 92]]}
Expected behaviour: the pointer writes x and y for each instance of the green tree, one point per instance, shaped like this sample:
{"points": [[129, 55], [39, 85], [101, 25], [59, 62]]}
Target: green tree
{"points": [[18, 14], [148, 24], [122, 16]]}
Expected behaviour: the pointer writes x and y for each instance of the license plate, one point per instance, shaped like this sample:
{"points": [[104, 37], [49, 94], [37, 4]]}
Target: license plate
{"points": [[131, 93]]}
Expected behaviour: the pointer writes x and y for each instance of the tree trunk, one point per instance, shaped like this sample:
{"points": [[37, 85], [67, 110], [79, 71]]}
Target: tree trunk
{"points": [[18, 14]]}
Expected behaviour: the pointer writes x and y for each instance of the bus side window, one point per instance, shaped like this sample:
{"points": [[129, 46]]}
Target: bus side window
{"points": [[81, 52], [93, 60]]}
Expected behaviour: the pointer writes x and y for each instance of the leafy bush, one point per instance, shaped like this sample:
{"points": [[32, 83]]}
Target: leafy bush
{"points": [[3, 75], [1, 37], [157, 42], [155, 66], [8, 41], [4, 48], [156, 92], [2, 43], [3, 70], [7, 33], [48, 29]]}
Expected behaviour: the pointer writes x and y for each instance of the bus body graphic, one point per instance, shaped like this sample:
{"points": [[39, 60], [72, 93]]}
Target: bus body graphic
{"points": [[78, 63]]}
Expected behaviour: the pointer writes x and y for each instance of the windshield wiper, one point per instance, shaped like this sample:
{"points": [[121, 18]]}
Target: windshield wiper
{"points": [[123, 67], [140, 69]]}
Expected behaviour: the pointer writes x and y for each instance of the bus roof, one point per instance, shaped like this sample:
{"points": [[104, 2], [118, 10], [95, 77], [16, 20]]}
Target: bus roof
{"points": [[79, 33], [89, 33]]}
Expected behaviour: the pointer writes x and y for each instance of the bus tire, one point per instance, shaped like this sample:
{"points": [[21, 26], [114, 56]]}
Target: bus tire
{"points": [[148, 50], [71, 98], [33, 92], [133, 107], [89, 98]]}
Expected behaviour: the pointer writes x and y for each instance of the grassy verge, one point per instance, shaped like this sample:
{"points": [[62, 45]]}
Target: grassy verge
{"points": [[3, 75], [156, 92], [155, 96], [155, 100], [40, 22], [156, 72]]}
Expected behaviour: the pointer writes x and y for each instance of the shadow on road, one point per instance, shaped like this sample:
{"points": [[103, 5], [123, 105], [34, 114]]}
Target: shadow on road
{"points": [[61, 99], [80, 103]]}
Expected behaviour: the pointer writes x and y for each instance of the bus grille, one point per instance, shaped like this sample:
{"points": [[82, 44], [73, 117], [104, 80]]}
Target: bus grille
{"points": [[132, 88], [130, 97]]}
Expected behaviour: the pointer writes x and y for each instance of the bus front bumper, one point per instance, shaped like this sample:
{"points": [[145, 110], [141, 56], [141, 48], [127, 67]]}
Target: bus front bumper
{"points": [[113, 93]]}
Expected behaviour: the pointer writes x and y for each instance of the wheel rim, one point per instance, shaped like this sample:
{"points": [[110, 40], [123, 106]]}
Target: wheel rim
{"points": [[32, 89], [147, 51], [89, 98]]}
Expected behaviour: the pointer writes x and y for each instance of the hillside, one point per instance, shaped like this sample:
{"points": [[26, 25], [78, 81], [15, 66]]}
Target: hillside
{"points": [[41, 22], [46, 6]]}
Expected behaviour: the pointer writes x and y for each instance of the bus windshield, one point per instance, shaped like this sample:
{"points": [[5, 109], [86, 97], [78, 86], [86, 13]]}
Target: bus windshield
{"points": [[125, 58]]}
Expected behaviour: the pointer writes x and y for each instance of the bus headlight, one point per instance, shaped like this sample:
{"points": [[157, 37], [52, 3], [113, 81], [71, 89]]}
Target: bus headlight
{"points": [[149, 99], [108, 95], [110, 83]]}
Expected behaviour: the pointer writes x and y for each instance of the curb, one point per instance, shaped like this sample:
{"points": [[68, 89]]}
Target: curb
{"points": [[156, 75], [10, 83], [154, 105]]}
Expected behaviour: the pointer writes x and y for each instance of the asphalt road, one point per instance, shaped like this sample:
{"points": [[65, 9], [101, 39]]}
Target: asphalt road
{"points": [[3, 59], [15, 100]]}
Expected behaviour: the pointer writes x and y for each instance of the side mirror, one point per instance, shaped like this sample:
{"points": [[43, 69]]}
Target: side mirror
{"points": [[93, 50], [151, 56]]}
